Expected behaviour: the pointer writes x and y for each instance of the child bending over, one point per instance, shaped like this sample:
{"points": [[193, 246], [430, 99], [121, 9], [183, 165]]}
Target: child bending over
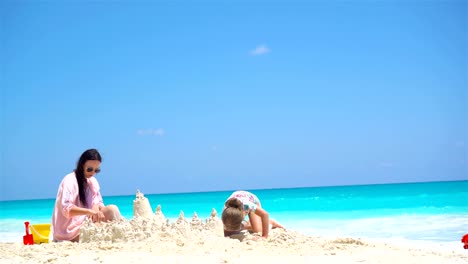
{"points": [[237, 207]]}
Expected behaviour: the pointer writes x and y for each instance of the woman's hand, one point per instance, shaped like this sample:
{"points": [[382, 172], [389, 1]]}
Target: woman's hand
{"points": [[96, 215]]}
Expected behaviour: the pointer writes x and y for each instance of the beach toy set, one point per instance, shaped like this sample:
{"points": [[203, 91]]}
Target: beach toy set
{"points": [[39, 234]]}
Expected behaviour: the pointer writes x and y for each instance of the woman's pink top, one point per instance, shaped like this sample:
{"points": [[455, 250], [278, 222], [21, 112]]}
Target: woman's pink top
{"points": [[66, 227]]}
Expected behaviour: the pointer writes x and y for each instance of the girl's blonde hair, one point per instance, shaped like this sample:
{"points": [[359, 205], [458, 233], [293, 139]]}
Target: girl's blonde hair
{"points": [[233, 215]]}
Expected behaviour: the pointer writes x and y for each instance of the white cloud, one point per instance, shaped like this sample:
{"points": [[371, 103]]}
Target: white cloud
{"points": [[260, 50], [151, 132]]}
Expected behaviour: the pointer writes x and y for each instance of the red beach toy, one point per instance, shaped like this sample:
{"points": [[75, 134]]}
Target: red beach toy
{"points": [[28, 238], [464, 240]]}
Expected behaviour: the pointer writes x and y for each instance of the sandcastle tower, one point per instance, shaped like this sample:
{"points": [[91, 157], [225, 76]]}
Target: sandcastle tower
{"points": [[181, 220], [158, 212], [181, 226], [141, 206], [196, 223], [159, 218], [215, 224]]}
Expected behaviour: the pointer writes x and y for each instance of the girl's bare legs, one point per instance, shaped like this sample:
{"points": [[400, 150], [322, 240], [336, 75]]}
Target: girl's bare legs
{"points": [[255, 223], [275, 224]]}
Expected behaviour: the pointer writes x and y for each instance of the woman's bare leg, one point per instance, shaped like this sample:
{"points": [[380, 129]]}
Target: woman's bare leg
{"points": [[76, 239], [111, 212]]}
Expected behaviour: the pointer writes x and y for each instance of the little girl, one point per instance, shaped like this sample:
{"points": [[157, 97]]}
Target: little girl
{"points": [[241, 204]]}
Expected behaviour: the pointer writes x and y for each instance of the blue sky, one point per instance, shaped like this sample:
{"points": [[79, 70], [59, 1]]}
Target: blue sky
{"points": [[212, 95]]}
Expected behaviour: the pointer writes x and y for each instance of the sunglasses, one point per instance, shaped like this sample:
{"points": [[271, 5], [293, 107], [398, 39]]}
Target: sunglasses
{"points": [[91, 169]]}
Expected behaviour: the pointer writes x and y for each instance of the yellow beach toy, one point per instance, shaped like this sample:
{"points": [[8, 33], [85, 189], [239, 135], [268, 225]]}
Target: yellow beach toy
{"points": [[40, 233]]}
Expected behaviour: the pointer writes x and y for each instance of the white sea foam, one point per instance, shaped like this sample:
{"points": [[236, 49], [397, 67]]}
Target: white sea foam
{"points": [[431, 230], [11, 236]]}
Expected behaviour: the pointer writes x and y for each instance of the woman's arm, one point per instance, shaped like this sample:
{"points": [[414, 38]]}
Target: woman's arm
{"points": [[75, 211], [97, 202]]}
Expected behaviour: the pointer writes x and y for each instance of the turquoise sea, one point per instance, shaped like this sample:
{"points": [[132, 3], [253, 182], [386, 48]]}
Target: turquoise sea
{"points": [[435, 212]]}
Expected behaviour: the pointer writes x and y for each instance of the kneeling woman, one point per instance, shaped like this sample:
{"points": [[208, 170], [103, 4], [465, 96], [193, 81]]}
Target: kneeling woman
{"points": [[78, 198]]}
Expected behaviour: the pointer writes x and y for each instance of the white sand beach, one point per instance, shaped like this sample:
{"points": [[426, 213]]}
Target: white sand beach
{"points": [[151, 238]]}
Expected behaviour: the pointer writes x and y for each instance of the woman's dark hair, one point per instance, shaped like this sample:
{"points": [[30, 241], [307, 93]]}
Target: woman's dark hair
{"points": [[233, 215], [90, 154]]}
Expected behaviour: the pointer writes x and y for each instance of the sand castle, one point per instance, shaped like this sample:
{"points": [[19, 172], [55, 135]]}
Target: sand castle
{"points": [[146, 224]]}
